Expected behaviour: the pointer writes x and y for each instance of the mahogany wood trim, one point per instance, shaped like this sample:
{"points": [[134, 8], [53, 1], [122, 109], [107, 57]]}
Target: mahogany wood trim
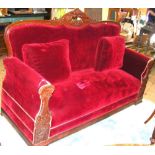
{"points": [[73, 18], [18, 23], [45, 22], [145, 76], [44, 117]]}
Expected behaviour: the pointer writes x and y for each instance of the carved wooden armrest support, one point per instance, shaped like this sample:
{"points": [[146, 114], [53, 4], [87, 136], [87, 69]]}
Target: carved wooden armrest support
{"points": [[145, 76], [44, 117]]}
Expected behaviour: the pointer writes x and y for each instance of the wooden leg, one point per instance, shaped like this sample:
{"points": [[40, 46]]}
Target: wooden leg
{"points": [[152, 139]]}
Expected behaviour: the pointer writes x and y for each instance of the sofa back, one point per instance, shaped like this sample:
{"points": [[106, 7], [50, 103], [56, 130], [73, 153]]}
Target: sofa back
{"points": [[82, 39]]}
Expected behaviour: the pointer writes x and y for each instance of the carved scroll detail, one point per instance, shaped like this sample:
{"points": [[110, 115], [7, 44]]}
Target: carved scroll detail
{"points": [[144, 77], [44, 117], [74, 18]]}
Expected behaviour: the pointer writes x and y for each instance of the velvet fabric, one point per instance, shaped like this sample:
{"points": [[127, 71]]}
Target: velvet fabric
{"points": [[75, 98], [96, 114], [20, 119], [110, 53], [82, 40], [51, 59], [134, 63], [20, 98], [23, 83], [88, 90], [86, 93], [18, 110]]}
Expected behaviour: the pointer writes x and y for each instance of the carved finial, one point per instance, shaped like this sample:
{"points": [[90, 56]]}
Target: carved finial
{"points": [[46, 91]]}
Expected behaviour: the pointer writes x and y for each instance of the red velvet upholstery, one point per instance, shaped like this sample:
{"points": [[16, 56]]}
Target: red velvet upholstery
{"points": [[51, 59], [101, 79], [21, 82], [82, 40], [110, 53], [79, 95], [134, 63], [25, 125], [106, 110], [20, 98]]}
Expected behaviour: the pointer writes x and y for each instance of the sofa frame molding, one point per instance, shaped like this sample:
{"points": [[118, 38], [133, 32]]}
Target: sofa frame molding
{"points": [[145, 77], [71, 19], [44, 118]]}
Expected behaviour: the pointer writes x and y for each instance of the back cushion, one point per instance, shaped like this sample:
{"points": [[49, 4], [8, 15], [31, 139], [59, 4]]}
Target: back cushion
{"points": [[110, 53], [82, 39], [83, 42], [51, 59]]}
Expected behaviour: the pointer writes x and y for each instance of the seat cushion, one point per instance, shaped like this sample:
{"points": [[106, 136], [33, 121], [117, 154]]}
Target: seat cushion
{"points": [[51, 59], [110, 53], [87, 90]]}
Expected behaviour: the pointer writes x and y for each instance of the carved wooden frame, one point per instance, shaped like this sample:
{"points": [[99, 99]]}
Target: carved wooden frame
{"points": [[41, 133], [43, 118], [70, 18]]}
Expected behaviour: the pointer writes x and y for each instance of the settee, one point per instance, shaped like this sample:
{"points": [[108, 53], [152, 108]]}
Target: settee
{"points": [[64, 75]]}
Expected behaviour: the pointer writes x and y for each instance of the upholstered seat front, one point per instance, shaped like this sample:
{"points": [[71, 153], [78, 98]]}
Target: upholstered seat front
{"points": [[88, 91]]}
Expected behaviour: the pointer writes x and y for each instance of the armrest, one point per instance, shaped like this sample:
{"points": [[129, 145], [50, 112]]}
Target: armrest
{"points": [[139, 66], [23, 84], [32, 92], [135, 63]]}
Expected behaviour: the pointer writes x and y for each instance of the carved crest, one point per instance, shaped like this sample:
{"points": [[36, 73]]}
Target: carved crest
{"points": [[75, 18]]}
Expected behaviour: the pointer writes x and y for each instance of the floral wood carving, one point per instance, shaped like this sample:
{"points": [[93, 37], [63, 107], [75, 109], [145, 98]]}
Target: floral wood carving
{"points": [[144, 77], [75, 18], [44, 117]]}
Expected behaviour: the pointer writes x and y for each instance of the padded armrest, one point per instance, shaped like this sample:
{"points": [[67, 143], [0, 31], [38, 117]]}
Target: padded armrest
{"points": [[134, 63], [23, 83]]}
